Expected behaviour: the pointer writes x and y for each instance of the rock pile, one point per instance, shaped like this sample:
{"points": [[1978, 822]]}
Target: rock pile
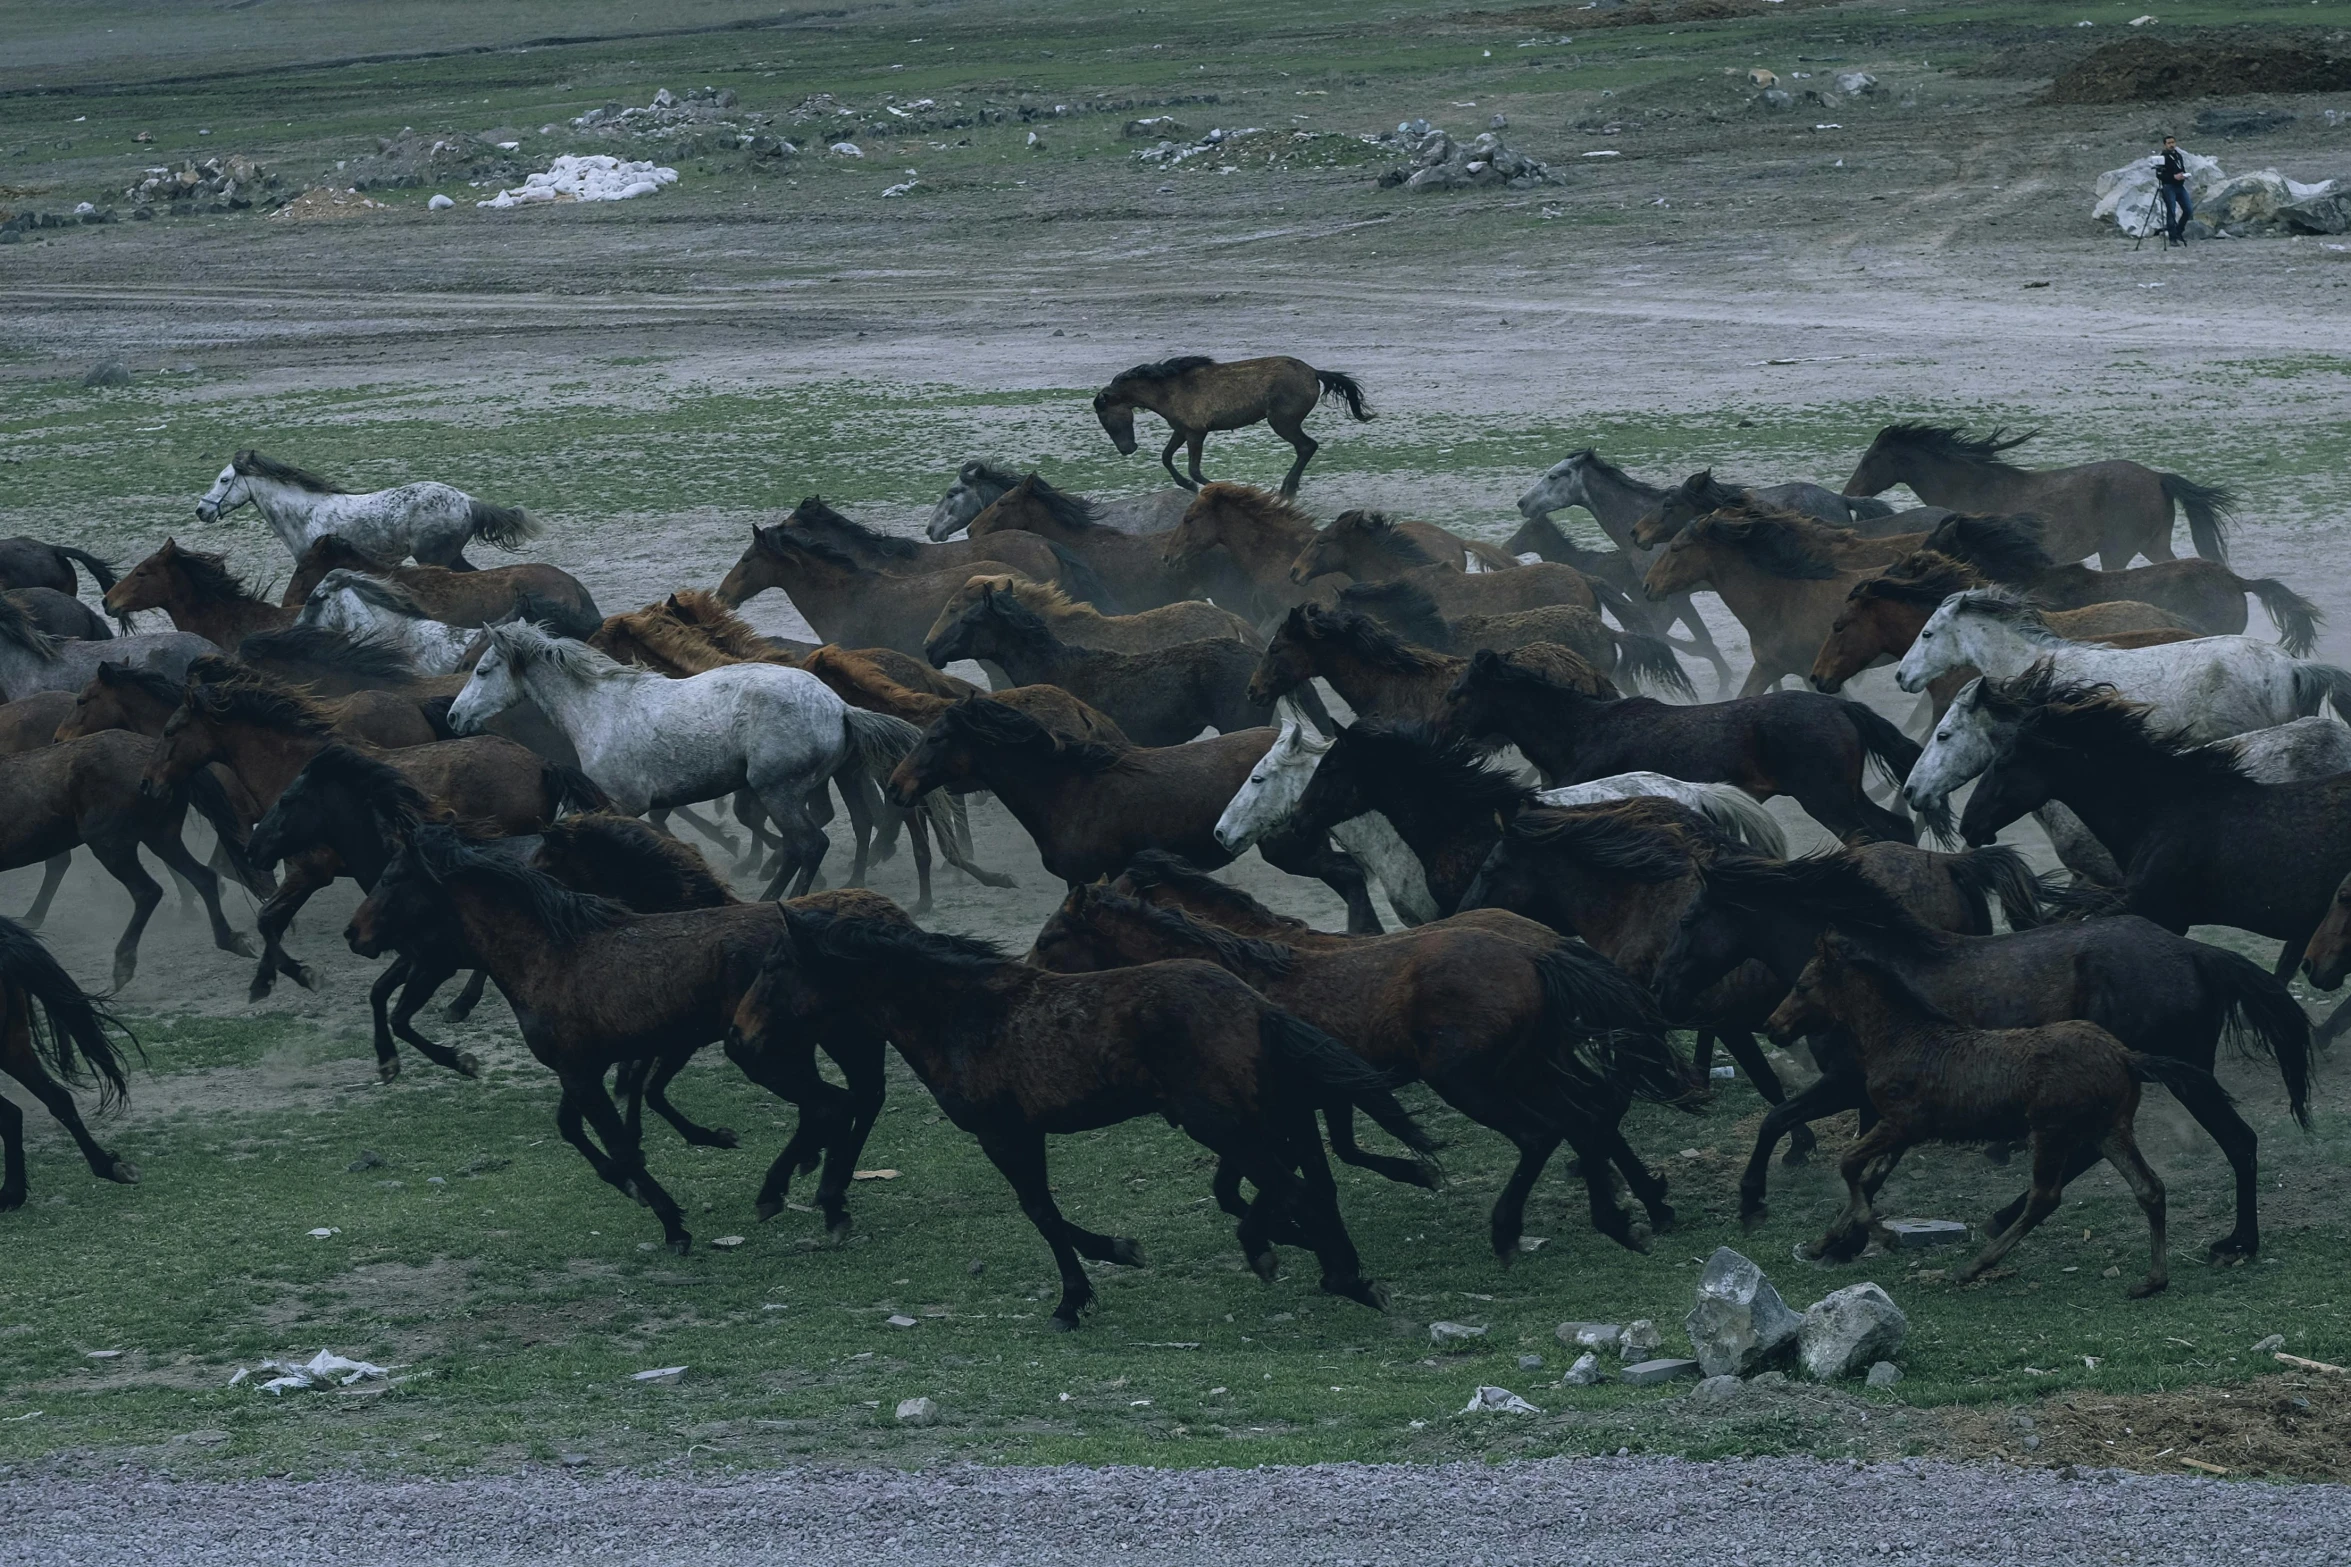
{"points": [[699, 121], [229, 184], [14, 226], [1251, 147], [2243, 206], [594, 177], [412, 160], [1740, 1327], [1441, 163]]}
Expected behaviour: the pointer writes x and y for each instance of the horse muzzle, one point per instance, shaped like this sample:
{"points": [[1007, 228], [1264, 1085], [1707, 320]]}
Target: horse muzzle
{"points": [[361, 945], [207, 511]]}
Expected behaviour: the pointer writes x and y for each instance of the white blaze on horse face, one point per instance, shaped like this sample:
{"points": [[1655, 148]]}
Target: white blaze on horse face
{"points": [[216, 500]]}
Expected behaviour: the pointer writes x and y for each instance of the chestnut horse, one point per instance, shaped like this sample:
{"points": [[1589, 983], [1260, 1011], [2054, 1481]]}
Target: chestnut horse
{"points": [[1195, 395]]}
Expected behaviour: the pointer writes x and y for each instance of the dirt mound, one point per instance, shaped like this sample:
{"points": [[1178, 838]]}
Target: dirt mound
{"points": [[325, 202], [2295, 1424], [2146, 70]]}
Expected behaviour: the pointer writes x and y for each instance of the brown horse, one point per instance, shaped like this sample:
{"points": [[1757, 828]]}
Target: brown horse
{"points": [[1506, 1031], [1380, 675], [1674, 508], [1127, 574], [2115, 510], [860, 681], [1013, 1053], [1195, 395], [847, 603], [1406, 609], [1091, 808], [1784, 588], [2068, 1087], [1238, 542], [1846, 547], [1370, 546], [1188, 620], [484, 596], [881, 551], [199, 593], [53, 1031], [2204, 593], [1539, 586], [716, 619]]}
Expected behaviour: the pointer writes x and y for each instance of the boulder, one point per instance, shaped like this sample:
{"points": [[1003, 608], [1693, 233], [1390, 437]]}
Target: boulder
{"points": [[917, 1412], [1435, 148], [1773, 100], [1884, 1374], [2328, 213], [1844, 1333], [1585, 1372], [1589, 1335], [1717, 1390], [1740, 1324], [1648, 1372], [1856, 84], [112, 373], [1639, 1337]]}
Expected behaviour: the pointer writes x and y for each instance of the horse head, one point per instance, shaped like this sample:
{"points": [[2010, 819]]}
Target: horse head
{"points": [[1117, 415], [1968, 739], [229, 491], [1266, 801]]}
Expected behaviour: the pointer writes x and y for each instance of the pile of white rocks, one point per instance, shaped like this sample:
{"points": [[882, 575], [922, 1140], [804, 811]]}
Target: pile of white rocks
{"points": [[1441, 163]]}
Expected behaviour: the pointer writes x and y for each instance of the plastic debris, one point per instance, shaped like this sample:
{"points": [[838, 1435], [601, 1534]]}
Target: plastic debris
{"points": [[1497, 1401], [320, 1370], [592, 177]]}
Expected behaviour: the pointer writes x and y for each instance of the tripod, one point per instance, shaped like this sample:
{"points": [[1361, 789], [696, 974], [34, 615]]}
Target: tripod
{"points": [[2158, 205]]}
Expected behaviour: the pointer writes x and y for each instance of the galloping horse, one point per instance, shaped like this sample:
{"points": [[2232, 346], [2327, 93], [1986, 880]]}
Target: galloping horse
{"points": [[1195, 395], [432, 521], [979, 485]]}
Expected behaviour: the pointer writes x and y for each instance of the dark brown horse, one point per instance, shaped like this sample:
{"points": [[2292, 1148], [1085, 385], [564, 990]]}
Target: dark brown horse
{"points": [[1702, 494], [1131, 574], [51, 1034], [31, 563], [1542, 1043], [1187, 620], [1237, 543], [1371, 546], [2071, 1088], [1539, 586], [847, 603], [1026, 551], [1785, 588], [861, 681], [483, 596], [1406, 609], [1195, 395], [1091, 808], [199, 593], [1810, 747], [1013, 1053], [1380, 675], [2115, 510]]}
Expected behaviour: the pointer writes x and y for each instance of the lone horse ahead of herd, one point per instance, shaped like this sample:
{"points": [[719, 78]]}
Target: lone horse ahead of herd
{"points": [[475, 747]]}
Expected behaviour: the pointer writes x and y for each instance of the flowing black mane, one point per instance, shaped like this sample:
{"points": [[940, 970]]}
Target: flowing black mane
{"points": [[1366, 638], [254, 465], [1158, 868], [1646, 845], [1229, 948], [926, 957], [818, 518], [565, 913], [1829, 886], [1921, 578], [362, 658], [1490, 669], [1379, 530], [1003, 727], [1952, 442], [148, 681], [248, 696], [1413, 753], [380, 787], [2005, 549], [1071, 511], [978, 472], [17, 627], [1590, 458], [1164, 369], [209, 578], [1407, 609], [2110, 733], [1775, 541], [628, 859], [782, 541]]}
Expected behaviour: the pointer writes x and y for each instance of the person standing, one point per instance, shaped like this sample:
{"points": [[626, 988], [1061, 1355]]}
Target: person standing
{"points": [[2171, 181]]}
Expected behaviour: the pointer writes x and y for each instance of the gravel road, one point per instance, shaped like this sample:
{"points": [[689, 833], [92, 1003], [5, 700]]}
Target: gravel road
{"points": [[1624, 1511]]}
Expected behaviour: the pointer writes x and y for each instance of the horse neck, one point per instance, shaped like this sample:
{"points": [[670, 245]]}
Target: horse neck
{"points": [[287, 508], [1881, 1024], [1547, 727], [1368, 688], [751, 575], [1266, 545], [936, 1027], [2120, 806], [265, 759], [572, 701], [1782, 939], [1435, 827], [224, 622], [1036, 789], [1961, 486], [1032, 661], [508, 940], [1031, 517], [1616, 504], [1999, 649]]}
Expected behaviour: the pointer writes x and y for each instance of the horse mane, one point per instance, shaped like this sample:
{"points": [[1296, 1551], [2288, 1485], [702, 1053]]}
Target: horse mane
{"points": [[1853, 954], [2005, 549], [254, 465], [17, 627], [1493, 669], [814, 515], [1015, 617], [702, 610], [781, 539], [1367, 639], [208, 576], [1045, 598], [362, 658], [2008, 608], [837, 666], [1831, 886], [1953, 443], [1922, 577], [1226, 947], [1453, 767], [1703, 491], [565, 913], [382, 592], [522, 642], [1779, 542], [1262, 508], [383, 788], [941, 958], [148, 681], [248, 696], [1625, 837], [1590, 458], [678, 643], [2096, 721], [1164, 369], [978, 469], [657, 870], [1004, 727], [1379, 530], [1074, 512], [1159, 868], [1409, 609]]}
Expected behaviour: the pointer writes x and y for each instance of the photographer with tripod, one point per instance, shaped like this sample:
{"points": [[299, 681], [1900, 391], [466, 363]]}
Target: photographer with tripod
{"points": [[2171, 182]]}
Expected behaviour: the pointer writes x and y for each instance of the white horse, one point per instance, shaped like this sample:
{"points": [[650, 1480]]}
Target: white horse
{"points": [[433, 522], [650, 741], [359, 605], [2207, 689]]}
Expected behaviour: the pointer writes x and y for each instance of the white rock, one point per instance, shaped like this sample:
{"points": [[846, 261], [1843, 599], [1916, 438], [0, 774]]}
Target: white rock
{"points": [[917, 1411], [1442, 1333], [1585, 1372], [660, 1374], [1739, 1324], [440, 204], [2270, 1345], [1497, 1401], [901, 1320], [1639, 1337], [1849, 1329], [1853, 84], [1645, 1373], [847, 149], [1885, 1373], [592, 177], [1716, 1390]]}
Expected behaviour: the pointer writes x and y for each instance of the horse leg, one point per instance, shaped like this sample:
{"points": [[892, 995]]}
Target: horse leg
{"points": [[1334, 1248], [1834, 1091], [1340, 1117], [791, 1075], [568, 1122], [694, 819], [186, 888], [628, 1157], [26, 1068], [855, 786], [1508, 1220], [918, 828], [657, 1095], [1020, 1158], [52, 874], [2122, 1151], [1176, 438], [860, 1058], [467, 999], [886, 821], [1293, 430], [12, 1180], [379, 1007], [1311, 854], [804, 846], [120, 857], [1647, 1184], [423, 981], [1685, 609], [166, 845], [1848, 1233], [1749, 1055], [2048, 1190], [304, 876], [2336, 1021]]}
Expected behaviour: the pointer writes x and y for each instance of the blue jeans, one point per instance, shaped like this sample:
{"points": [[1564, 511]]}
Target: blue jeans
{"points": [[2177, 210]]}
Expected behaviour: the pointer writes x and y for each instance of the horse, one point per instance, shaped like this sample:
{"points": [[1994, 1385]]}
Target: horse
{"points": [[847, 603], [1538, 1039], [1024, 551], [32, 660], [979, 485], [200, 594], [60, 614], [2204, 593], [861, 681], [2157, 992], [1238, 543], [378, 610], [1187, 620], [34, 563], [1810, 747], [1371, 546], [1128, 569], [1703, 495], [432, 521], [2115, 510], [1091, 808], [2209, 688], [651, 741], [531, 591], [714, 620], [1785, 588], [51, 1032], [1012, 1053], [1617, 501], [1406, 609], [1195, 395], [1163, 697], [1380, 675], [2071, 1087]]}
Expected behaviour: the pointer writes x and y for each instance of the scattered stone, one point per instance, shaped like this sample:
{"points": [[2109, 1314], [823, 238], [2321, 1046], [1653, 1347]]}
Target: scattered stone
{"points": [[1444, 1333], [1155, 126], [1773, 100], [1913, 1234], [1441, 163], [102, 1354], [662, 1376], [1035, 143], [975, 1268], [917, 1411], [727, 1242], [846, 149], [1639, 1337], [1590, 1335], [1497, 1401], [1530, 1244], [1884, 1374], [413, 160], [440, 204], [899, 1320], [2270, 1345], [2242, 122], [229, 184], [1848, 1330], [1500, 122], [115, 373], [1768, 1379], [1585, 1372], [573, 1460], [1739, 1324], [436, 1180], [483, 1165], [873, 1175], [1716, 1390], [2032, 1442], [1648, 1372], [1856, 84], [326, 202], [1530, 1362]]}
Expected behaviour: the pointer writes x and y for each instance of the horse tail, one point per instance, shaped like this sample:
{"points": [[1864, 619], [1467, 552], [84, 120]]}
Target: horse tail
{"points": [[1633, 617], [1741, 815], [1344, 385], [1489, 557], [1891, 751], [508, 527], [212, 803], [67, 1025], [2208, 507], [1310, 1069], [1082, 582], [100, 572], [2316, 683], [879, 743], [1649, 661], [1602, 1025], [1997, 871], [570, 790], [2295, 616], [2263, 1018]]}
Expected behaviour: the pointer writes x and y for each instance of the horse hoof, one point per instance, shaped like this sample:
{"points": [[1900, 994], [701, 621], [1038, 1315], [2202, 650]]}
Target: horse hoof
{"points": [[1662, 1218], [1636, 1238], [305, 976], [1755, 1218], [1505, 1251], [468, 1064], [2147, 1287], [11, 1199], [836, 1230], [1062, 1323], [1359, 1289], [1127, 1253], [766, 1208], [124, 1173], [680, 1244], [1264, 1266], [1795, 1157], [2232, 1251], [922, 906], [240, 946], [387, 1069]]}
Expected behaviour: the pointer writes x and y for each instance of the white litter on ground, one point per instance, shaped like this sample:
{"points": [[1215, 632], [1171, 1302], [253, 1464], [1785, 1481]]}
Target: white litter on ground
{"points": [[594, 177], [1497, 1401], [319, 1370]]}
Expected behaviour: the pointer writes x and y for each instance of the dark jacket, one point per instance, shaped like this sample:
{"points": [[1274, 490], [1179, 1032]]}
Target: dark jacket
{"points": [[2174, 170]]}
